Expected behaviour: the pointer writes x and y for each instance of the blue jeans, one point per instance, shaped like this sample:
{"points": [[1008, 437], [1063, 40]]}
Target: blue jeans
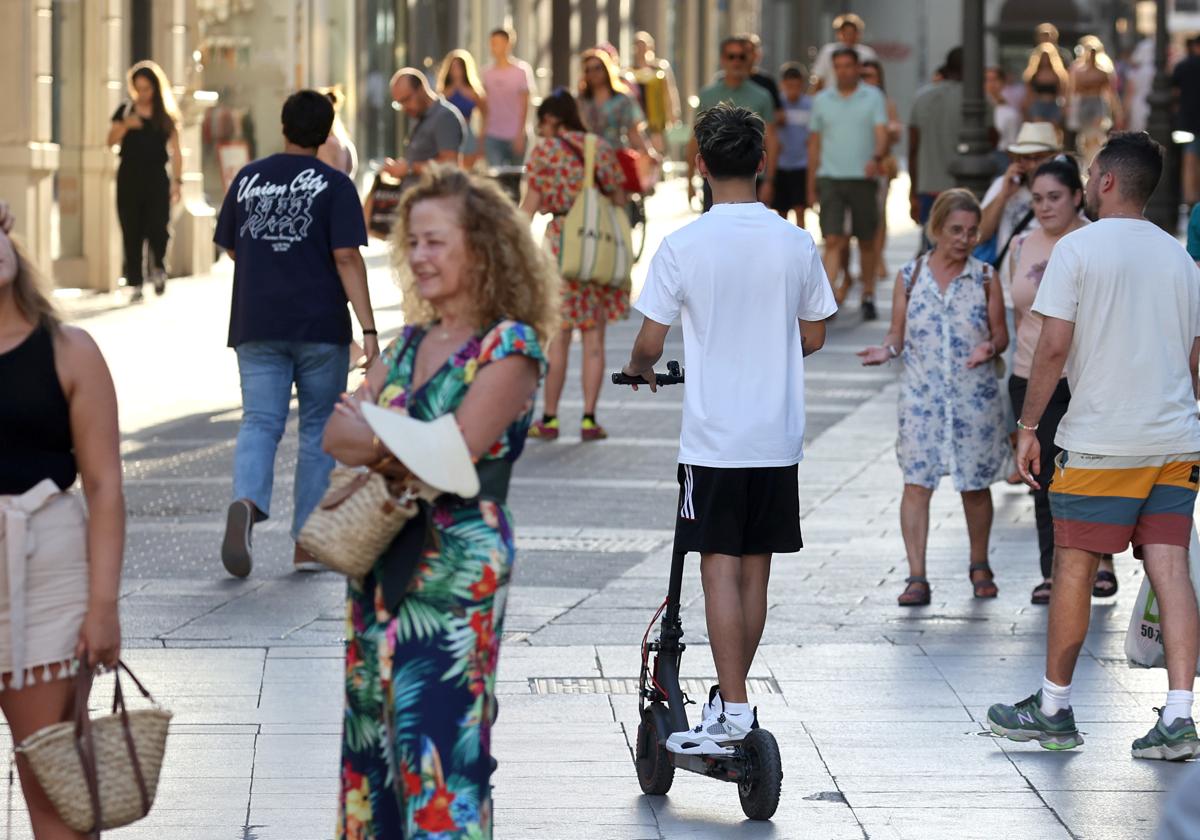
{"points": [[268, 369], [501, 152]]}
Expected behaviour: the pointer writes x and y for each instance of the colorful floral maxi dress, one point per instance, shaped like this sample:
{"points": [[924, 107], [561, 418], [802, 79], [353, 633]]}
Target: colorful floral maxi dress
{"points": [[427, 674], [555, 172], [952, 418]]}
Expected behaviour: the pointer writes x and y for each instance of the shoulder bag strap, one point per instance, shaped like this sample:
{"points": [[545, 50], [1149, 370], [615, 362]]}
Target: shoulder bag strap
{"points": [[1021, 225], [589, 161], [914, 277]]}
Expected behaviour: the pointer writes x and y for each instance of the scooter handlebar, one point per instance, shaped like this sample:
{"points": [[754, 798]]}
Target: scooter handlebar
{"points": [[673, 376]]}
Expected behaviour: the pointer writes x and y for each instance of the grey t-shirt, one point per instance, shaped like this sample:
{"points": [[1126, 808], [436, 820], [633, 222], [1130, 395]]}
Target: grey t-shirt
{"points": [[440, 129], [937, 115]]}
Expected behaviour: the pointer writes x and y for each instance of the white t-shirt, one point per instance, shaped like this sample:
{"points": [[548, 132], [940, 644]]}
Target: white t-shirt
{"points": [[740, 277], [1133, 294], [1015, 209]]}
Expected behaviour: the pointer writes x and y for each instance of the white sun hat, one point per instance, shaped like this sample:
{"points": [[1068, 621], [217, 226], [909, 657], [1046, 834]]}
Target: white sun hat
{"points": [[434, 451], [1035, 137]]}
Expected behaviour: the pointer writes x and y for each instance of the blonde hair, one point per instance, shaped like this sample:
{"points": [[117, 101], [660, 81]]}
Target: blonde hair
{"points": [[1056, 64], [611, 71], [29, 291], [166, 112], [1092, 44], [511, 276], [950, 201], [470, 71]]}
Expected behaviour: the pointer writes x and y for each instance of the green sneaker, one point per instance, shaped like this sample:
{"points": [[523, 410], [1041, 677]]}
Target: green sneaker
{"points": [[1025, 722], [1169, 743]]}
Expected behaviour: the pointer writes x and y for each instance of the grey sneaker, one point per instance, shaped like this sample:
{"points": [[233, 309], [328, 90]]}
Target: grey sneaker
{"points": [[235, 548], [1025, 722], [1176, 742]]}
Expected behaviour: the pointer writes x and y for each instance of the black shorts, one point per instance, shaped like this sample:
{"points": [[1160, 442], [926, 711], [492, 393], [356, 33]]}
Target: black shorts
{"points": [[791, 189], [739, 511]]}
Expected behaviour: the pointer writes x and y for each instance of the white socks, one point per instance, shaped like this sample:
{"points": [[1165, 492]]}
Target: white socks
{"points": [[1054, 697], [1179, 705], [737, 710]]}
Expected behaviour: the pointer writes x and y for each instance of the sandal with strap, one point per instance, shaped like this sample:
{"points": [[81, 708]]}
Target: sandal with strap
{"points": [[984, 587], [1105, 584], [1041, 593], [916, 594]]}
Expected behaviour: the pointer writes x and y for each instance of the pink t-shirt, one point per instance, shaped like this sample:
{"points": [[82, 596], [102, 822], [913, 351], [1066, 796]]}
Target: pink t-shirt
{"points": [[504, 86]]}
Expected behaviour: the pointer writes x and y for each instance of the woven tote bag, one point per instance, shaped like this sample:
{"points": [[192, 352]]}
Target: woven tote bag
{"points": [[102, 773], [359, 515], [595, 244]]}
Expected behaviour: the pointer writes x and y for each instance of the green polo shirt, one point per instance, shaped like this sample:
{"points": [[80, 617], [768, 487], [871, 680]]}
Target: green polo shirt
{"points": [[847, 127], [747, 95]]}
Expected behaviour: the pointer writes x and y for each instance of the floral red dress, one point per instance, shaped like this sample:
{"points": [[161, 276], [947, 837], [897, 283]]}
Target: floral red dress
{"points": [[555, 170]]}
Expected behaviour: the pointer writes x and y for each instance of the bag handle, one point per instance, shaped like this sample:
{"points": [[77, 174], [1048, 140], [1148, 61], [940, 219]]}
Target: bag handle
{"points": [[589, 161], [85, 745]]}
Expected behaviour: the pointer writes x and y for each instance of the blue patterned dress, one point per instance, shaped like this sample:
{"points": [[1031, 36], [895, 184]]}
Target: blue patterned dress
{"points": [[427, 675], [951, 418]]}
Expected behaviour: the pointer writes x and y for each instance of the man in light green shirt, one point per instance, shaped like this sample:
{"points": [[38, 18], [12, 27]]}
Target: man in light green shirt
{"points": [[736, 88], [847, 141]]}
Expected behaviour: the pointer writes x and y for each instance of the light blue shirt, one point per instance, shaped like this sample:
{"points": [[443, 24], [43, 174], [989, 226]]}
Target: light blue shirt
{"points": [[847, 128]]}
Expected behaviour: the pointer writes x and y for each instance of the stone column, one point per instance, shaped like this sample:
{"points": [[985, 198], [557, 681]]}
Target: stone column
{"points": [[1163, 208], [28, 158], [973, 168]]}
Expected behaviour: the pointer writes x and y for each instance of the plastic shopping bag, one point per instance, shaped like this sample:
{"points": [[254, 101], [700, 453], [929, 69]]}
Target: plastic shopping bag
{"points": [[1143, 641]]}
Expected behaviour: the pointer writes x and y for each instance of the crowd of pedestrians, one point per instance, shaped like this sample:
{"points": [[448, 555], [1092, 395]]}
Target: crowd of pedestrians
{"points": [[1102, 389]]}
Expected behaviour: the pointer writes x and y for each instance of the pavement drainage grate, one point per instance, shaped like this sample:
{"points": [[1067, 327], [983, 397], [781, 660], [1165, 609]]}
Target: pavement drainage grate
{"points": [[629, 685]]}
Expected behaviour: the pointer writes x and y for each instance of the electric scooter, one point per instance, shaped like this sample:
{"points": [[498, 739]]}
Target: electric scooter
{"points": [[753, 764]]}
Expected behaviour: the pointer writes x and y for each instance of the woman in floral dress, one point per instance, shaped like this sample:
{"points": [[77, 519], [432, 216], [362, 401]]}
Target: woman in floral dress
{"points": [[948, 317], [608, 107], [480, 300], [555, 178]]}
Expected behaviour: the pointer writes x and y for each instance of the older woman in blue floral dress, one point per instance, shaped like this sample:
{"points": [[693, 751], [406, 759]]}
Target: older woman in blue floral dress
{"points": [[948, 321], [479, 299]]}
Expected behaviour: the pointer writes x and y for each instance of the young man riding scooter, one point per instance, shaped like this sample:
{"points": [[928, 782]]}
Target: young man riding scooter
{"points": [[753, 297]]}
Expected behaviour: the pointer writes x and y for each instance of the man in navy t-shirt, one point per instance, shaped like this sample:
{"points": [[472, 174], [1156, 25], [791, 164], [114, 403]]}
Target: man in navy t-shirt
{"points": [[293, 226]]}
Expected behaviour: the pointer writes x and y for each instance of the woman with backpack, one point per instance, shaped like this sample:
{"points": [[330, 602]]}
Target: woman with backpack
{"points": [[555, 179]]}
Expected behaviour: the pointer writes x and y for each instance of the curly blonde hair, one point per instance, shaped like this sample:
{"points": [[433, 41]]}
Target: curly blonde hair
{"points": [[512, 277]]}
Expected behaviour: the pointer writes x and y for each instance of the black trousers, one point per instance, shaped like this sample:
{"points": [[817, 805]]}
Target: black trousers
{"points": [[144, 209], [1047, 428]]}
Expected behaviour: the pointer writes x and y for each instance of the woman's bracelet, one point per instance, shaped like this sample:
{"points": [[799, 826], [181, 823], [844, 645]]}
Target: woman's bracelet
{"points": [[371, 331], [1025, 428]]}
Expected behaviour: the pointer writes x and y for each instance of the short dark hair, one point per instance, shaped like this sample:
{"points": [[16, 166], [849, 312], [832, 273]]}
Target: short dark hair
{"points": [[561, 105], [307, 118], [501, 32], [1136, 159], [1063, 169], [793, 70], [730, 140], [841, 51]]}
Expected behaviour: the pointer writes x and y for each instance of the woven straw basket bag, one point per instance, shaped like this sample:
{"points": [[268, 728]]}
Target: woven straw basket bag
{"points": [[358, 517], [101, 773]]}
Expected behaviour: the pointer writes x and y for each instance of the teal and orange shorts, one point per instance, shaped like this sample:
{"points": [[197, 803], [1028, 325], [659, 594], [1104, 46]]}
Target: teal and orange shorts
{"points": [[1103, 503]]}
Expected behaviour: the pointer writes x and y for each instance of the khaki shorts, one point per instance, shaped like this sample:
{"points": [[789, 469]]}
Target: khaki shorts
{"points": [[859, 196]]}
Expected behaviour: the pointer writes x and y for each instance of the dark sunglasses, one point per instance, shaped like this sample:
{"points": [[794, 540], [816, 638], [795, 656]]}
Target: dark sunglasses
{"points": [[738, 56]]}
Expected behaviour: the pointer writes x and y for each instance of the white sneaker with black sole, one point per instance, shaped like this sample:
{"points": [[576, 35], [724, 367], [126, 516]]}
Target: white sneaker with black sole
{"points": [[714, 736], [235, 548]]}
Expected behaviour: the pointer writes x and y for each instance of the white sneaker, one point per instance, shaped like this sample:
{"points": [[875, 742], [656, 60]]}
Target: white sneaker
{"points": [[713, 707], [711, 737]]}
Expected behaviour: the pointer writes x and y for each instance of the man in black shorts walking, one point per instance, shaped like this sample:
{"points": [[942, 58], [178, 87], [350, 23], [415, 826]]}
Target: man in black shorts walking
{"points": [[745, 335]]}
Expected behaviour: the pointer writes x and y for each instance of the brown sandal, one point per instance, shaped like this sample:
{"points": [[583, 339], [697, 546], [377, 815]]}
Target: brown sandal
{"points": [[984, 587], [916, 594]]}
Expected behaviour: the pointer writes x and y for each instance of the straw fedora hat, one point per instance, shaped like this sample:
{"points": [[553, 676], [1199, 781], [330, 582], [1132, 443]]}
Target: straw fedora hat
{"points": [[435, 451], [1036, 137]]}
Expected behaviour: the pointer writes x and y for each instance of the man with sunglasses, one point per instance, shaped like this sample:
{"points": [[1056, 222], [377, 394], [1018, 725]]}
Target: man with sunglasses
{"points": [[1008, 201], [734, 86], [436, 136]]}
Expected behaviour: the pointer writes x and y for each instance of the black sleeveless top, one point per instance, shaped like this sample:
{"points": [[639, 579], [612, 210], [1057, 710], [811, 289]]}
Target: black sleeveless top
{"points": [[35, 423]]}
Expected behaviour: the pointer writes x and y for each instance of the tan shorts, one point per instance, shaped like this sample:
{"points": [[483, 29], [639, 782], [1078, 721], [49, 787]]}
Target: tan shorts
{"points": [[43, 583]]}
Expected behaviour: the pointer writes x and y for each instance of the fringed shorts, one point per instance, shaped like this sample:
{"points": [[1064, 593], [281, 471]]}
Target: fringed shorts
{"points": [[43, 584]]}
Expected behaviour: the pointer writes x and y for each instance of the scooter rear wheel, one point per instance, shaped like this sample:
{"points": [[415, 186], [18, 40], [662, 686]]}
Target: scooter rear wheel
{"points": [[759, 789], [655, 770]]}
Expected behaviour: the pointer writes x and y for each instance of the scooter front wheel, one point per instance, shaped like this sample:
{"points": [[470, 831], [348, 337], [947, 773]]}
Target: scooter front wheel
{"points": [[655, 770], [759, 788]]}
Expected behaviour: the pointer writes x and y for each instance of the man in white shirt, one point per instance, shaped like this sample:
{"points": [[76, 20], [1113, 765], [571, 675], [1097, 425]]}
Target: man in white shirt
{"points": [[849, 28], [1120, 301], [753, 298]]}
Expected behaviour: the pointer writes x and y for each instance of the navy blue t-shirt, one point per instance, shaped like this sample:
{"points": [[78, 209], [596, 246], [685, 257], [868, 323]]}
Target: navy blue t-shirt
{"points": [[283, 217]]}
